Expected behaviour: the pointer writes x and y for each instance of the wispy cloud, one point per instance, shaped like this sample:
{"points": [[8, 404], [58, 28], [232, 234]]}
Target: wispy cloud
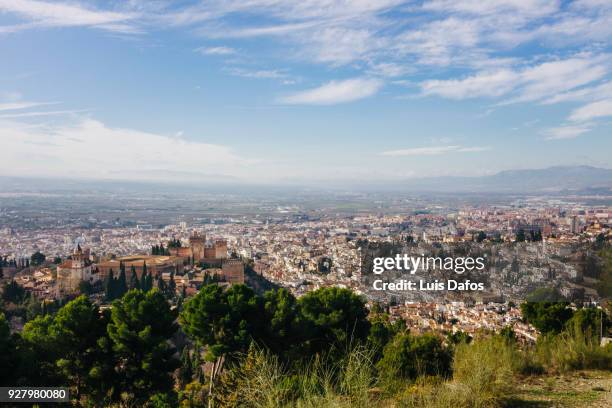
{"points": [[57, 14], [592, 111], [541, 82], [434, 151], [335, 92], [42, 113], [484, 84], [565, 132], [260, 31], [390, 69], [533, 8], [589, 93], [257, 74], [22, 105], [221, 50]]}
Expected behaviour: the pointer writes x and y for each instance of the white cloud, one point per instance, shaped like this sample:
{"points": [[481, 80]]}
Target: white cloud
{"points": [[341, 45], [21, 105], [325, 31], [582, 23], [259, 31], [589, 93], [300, 10], [390, 69], [335, 92], [89, 149], [551, 78], [216, 50], [565, 132], [440, 42], [483, 84], [535, 83], [532, 8], [336, 42], [592, 110], [41, 113], [434, 151], [57, 14], [258, 74]]}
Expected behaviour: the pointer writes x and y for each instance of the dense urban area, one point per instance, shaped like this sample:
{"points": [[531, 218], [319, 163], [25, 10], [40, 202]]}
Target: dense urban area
{"points": [[111, 257]]}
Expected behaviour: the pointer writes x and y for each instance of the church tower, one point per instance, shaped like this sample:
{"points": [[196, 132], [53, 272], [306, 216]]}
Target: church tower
{"points": [[78, 260]]}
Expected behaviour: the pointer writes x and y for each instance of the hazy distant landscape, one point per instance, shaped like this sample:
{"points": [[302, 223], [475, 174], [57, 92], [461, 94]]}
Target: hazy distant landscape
{"points": [[552, 180]]}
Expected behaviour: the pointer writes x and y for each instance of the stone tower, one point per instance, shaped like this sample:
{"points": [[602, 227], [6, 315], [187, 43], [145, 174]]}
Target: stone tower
{"points": [[196, 242]]}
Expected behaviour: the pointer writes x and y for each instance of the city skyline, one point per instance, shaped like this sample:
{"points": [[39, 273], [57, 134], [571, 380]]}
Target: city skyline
{"points": [[281, 92]]}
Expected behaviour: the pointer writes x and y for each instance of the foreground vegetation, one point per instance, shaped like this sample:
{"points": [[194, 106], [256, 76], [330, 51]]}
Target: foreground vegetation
{"points": [[233, 347], [489, 372]]}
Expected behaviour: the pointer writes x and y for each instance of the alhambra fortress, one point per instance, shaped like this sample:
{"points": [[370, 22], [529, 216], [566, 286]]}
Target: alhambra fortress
{"points": [[207, 257]]}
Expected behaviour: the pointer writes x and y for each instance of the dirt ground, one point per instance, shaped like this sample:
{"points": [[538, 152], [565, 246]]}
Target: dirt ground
{"points": [[590, 389]]}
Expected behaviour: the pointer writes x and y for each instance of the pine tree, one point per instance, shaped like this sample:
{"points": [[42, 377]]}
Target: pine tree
{"points": [[140, 328], [76, 331]]}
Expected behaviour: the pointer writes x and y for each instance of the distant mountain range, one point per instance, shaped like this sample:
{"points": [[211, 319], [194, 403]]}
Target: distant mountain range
{"points": [[551, 179]]}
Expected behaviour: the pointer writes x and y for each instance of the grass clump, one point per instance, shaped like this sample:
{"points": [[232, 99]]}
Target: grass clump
{"points": [[482, 377], [570, 351], [261, 381]]}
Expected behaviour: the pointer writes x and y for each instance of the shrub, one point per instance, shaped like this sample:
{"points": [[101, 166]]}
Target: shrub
{"points": [[482, 376], [572, 351], [407, 357], [483, 371]]}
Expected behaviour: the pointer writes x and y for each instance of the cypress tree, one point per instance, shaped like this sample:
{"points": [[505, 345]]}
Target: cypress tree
{"points": [[121, 285], [143, 277], [149, 282], [109, 288], [161, 285], [172, 286], [134, 283], [186, 373], [196, 367]]}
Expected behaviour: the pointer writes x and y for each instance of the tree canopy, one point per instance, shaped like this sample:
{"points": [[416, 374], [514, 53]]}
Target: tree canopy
{"points": [[140, 326]]}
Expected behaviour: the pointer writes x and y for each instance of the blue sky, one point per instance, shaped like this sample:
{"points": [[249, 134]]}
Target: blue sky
{"points": [[311, 92]]}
